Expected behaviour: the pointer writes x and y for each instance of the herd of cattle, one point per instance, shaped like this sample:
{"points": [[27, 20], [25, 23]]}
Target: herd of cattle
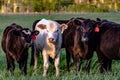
{"points": [[79, 36]]}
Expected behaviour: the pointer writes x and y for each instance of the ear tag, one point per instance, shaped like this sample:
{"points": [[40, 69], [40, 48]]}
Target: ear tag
{"points": [[33, 37], [97, 29]]}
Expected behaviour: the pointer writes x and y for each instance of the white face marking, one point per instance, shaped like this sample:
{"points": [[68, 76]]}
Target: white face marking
{"points": [[28, 32], [52, 30]]}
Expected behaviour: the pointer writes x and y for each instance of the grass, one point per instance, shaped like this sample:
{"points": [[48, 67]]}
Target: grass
{"points": [[26, 21]]}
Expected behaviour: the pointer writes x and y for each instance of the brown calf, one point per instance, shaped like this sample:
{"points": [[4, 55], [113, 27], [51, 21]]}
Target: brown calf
{"points": [[15, 43]]}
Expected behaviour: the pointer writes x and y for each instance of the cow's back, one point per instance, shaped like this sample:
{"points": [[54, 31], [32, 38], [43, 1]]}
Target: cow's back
{"points": [[6, 31], [7, 34]]}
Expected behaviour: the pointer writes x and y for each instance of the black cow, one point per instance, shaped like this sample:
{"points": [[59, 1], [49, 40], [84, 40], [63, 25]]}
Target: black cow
{"points": [[15, 43], [108, 47]]}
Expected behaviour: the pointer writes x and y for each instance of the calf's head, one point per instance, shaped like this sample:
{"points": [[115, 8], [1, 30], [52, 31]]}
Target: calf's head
{"points": [[25, 36]]}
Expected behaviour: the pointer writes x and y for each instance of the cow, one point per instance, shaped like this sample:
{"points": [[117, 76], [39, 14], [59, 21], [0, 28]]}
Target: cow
{"points": [[108, 47], [84, 42], [78, 41], [33, 27], [15, 43], [48, 42]]}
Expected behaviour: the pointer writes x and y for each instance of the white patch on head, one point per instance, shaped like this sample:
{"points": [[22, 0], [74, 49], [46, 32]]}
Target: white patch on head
{"points": [[28, 32], [53, 30]]}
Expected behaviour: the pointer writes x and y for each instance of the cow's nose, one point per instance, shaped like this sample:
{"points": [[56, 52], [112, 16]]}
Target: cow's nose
{"points": [[51, 40]]}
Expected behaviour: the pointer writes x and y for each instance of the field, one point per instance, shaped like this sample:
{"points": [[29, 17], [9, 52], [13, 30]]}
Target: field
{"points": [[26, 21]]}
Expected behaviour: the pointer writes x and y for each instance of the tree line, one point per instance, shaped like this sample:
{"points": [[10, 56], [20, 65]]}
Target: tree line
{"points": [[59, 6]]}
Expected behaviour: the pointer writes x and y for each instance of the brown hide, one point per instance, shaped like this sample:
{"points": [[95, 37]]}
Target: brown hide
{"points": [[15, 43]]}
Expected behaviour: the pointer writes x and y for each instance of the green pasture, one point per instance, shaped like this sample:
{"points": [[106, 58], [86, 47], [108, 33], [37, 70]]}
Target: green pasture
{"points": [[26, 21]]}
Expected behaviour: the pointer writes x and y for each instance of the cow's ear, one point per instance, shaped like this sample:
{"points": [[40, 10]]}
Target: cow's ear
{"points": [[77, 22], [98, 19], [42, 26], [63, 27], [17, 32], [35, 32]]}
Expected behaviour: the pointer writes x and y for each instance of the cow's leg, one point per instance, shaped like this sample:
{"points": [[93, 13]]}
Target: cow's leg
{"points": [[88, 65], [104, 62], [89, 57], [107, 64], [36, 60], [68, 56], [36, 55], [32, 56], [10, 63], [23, 64], [101, 60], [101, 64], [110, 65], [80, 63], [57, 62], [77, 62], [46, 63]]}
